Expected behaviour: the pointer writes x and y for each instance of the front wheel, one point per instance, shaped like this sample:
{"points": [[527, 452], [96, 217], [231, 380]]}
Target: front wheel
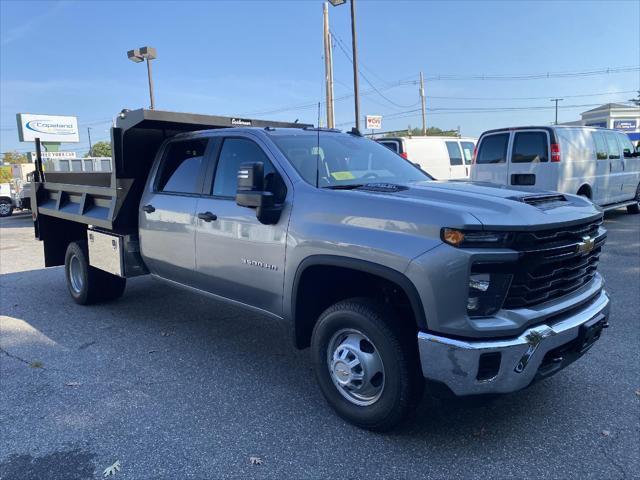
{"points": [[635, 208], [6, 207], [366, 363]]}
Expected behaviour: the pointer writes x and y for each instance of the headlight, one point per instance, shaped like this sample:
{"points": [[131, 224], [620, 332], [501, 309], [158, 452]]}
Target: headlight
{"points": [[475, 238], [486, 293]]}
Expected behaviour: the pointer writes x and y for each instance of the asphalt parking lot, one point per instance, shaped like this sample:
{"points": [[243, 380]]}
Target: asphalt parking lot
{"points": [[172, 385]]}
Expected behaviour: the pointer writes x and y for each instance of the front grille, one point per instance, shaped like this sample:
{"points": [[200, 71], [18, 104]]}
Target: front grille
{"points": [[552, 264]]}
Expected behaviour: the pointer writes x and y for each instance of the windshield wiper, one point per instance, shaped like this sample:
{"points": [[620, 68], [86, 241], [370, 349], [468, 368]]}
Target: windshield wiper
{"points": [[345, 187]]}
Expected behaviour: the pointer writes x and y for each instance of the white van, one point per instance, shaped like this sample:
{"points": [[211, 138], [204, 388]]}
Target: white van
{"points": [[598, 163], [441, 157]]}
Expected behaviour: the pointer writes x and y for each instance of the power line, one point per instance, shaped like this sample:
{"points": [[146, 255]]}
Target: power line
{"points": [[346, 54], [463, 110], [533, 76]]}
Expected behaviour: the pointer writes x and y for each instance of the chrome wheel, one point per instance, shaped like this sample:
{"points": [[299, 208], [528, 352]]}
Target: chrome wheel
{"points": [[355, 367], [5, 209], [75, 274]]}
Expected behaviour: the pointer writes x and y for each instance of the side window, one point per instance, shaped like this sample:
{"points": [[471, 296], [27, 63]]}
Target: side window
{"points": [[239, 150], [467, 151], [394, 146], [493, 149], [612, 143], [181, 167], [601, 146], [627, 146], [530, 147], [455, 156]]}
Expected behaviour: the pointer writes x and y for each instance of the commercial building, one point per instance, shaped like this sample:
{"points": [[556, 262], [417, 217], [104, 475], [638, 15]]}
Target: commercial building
{"points": [[613, 115]]}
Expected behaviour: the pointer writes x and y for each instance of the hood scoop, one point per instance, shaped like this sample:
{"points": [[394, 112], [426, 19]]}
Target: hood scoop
{"points": [[543, 202], [383, 187]]}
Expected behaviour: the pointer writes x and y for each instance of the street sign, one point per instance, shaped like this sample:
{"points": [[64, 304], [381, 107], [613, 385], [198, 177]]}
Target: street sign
{"points": [[48, 128], [374, 122]]}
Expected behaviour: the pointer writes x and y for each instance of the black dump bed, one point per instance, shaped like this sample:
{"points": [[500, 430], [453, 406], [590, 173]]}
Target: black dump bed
{"points": [[110, 200]]}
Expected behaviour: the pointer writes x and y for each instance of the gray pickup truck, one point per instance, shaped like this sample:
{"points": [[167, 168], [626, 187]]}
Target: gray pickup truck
{"points": [[390, 277]]}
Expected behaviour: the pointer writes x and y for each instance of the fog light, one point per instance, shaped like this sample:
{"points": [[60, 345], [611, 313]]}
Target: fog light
{"points": [[487, 292], [480, 281]]}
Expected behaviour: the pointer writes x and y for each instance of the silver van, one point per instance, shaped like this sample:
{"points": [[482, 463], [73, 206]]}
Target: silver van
{"points": [[598, 163]]}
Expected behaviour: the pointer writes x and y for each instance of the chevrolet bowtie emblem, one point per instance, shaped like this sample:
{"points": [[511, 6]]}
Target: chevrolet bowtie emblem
{"points": [[586, 245]]}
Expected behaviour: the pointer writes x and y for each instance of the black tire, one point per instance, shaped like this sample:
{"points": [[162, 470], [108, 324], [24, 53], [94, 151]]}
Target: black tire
{"points": [[6, 207], [85, 283], [635, 208], [395, 342]]}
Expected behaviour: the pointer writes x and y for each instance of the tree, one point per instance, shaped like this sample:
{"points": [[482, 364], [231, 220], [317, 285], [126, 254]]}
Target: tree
{"points": [[14, 157], [417, 132], [5, 174], [100, 149]]}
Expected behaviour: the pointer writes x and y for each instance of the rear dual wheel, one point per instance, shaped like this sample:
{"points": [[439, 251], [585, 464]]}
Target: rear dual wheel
{"points": [[87, 284], [366, 363]]}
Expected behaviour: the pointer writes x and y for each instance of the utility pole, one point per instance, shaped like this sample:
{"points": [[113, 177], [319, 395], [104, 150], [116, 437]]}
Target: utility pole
{"points": [[557, 100], [89, 133], [354, 49], [328, 66], [424, 106]]}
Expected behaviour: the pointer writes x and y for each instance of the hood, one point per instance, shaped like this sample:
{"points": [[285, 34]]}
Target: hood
{"points": [[496, 206]]}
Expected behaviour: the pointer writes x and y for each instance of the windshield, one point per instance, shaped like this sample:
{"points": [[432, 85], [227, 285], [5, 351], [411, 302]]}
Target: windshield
{"points": [[345, 160]]}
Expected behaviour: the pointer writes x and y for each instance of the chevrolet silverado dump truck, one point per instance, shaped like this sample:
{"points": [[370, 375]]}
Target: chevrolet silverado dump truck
{"points": [[395, 281]]}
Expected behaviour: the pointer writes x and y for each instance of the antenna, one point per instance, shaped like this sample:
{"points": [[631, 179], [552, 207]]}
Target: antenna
{"points": [[318, 152]]}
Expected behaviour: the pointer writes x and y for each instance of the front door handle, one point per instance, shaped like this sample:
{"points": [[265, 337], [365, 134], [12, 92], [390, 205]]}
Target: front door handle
{"points": [[149, 208], [207, 216]]}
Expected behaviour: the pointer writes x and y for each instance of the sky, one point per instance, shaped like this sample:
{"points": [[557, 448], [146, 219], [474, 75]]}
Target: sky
{"points": [[264, 59]]}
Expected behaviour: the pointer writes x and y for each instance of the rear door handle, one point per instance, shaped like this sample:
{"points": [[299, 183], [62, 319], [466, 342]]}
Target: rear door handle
{"points": [[207, 216], [149, 208]]}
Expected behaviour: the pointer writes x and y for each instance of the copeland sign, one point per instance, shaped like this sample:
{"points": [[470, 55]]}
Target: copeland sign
{"points": [[48, 128], [374, 122]]}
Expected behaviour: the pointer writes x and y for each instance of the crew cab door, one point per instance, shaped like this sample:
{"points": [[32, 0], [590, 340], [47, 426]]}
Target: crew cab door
{"points": [[167, 209], [491, 159], [237, 257]]}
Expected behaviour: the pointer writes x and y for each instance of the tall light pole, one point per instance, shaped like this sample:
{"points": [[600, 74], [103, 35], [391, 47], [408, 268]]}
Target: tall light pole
{"points": [[328, 66], [557, 100], [354, 54], [90, 146], [139, 55]]}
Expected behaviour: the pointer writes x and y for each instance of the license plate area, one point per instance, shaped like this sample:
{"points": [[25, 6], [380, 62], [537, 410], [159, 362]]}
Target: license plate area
{"points": [[558, 358], [590, 332]]}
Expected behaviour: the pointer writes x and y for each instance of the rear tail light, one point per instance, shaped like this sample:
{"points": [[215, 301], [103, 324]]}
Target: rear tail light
{"points": [[555, 152], [475, 154], [404, 155]]}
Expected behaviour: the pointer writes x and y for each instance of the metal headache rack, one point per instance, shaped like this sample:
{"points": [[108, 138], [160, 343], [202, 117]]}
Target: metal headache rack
{"points": [[109, 199]]}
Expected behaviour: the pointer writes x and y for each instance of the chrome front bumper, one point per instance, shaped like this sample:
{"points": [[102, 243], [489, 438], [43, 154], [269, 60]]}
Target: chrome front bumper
{"points": [[455, 362]]}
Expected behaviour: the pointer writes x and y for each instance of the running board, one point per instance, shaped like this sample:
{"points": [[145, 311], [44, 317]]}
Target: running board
{"points": [[613, 206]]}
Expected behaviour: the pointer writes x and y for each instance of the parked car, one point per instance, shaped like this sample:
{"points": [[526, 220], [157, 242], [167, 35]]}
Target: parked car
{"points": [[441, 157], [597, 163], [390, 277], [7, 200]]}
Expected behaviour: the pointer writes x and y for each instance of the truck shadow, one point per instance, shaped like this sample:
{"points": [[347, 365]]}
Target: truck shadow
{"points": [[156, 338]]}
